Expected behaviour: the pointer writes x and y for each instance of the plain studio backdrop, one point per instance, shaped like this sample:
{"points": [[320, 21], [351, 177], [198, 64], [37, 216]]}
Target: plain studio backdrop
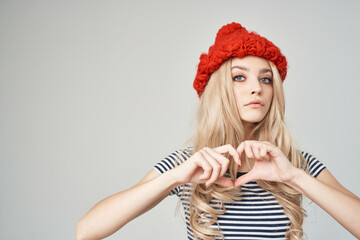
{"points": [[94, 93]]}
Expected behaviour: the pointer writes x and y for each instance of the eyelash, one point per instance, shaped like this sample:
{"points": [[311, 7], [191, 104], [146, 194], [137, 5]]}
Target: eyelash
{"points": [[234, 78]]}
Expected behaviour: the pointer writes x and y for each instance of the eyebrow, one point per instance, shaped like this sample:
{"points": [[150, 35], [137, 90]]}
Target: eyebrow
{"points": [[264, 70]]}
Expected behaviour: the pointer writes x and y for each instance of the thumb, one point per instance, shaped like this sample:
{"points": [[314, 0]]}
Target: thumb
{"points": [[226, 182], [248, 177]]}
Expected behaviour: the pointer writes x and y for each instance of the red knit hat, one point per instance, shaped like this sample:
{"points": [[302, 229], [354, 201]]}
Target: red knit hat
{"points": [[233, 40]]}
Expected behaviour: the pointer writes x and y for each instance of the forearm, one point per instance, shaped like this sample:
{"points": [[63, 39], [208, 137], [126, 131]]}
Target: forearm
{"points": [[342, 207], [112, 213]]}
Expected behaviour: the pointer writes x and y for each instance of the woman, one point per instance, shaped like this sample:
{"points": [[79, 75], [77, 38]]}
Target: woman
{"points": [[243, 177]]}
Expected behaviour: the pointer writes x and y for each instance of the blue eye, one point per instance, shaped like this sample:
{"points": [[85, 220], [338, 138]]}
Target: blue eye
{"points": [[267, 80], [239, 78]]}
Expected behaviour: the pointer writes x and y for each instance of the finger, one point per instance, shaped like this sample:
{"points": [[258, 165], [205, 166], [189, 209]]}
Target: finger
{"points": [[248, 151], [267, 143], [220, 158], [272, 150], [223, 181], [263, 152], [216, 167], [248, 177], [231, 150], [256, 150], [201, 162], [241, 145], [240, 150]]}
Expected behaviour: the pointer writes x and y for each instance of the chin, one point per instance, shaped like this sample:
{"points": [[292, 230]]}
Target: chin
{"points": [[252, 120]]}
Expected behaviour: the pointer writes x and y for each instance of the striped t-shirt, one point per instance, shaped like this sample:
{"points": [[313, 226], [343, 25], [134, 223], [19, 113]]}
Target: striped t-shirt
{"points": [[258, 215]]}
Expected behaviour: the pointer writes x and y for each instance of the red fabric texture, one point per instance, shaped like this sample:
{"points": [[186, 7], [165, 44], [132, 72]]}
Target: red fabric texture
{"points": [[233, 40]]}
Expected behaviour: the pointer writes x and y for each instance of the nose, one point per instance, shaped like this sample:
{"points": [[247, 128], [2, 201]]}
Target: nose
{"points": [[255, 87]]}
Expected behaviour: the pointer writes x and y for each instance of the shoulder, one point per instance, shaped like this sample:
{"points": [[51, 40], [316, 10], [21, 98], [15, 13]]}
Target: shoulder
{"points": [[171, 161], [313, 166], [174, 159], [179, 156]]}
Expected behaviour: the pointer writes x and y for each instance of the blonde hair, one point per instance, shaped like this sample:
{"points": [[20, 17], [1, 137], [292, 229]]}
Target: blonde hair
{"points": [[219, 123]]}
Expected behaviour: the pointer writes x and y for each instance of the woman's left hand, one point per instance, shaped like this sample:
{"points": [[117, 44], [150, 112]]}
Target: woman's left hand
{"points": [[270, 163]]}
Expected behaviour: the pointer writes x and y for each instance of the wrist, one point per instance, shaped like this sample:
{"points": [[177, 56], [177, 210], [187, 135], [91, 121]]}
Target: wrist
{"points": [[295, 182], [173, 181]]}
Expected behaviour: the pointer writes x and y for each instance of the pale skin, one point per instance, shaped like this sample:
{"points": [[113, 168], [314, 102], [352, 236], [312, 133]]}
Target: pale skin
{"points": [[209, 165]]}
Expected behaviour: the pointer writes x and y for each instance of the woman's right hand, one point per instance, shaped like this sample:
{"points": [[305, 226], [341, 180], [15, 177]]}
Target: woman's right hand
{"points": [[208, 165]]}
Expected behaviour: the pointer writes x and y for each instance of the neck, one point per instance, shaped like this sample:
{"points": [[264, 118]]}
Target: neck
{"points": [[249, 127]]}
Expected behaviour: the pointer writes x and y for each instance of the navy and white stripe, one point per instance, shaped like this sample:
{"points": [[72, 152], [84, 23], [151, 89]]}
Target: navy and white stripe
{"points": [[258, 215], [313, 166], [172, 161]]}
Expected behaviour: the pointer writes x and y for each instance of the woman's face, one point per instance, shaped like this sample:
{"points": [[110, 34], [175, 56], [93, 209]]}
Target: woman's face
{"points": [[252, 81]]}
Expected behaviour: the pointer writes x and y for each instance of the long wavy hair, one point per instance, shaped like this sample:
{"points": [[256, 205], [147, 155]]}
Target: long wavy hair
{"points": [[218, 123]]}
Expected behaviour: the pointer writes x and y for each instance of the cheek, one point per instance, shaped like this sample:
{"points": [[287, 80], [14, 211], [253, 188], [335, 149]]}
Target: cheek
{"points": [[268, 94], [239, 94], [240, 101]]}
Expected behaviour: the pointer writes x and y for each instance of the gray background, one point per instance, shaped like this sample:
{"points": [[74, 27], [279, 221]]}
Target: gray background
{"points": [[94, 93]]}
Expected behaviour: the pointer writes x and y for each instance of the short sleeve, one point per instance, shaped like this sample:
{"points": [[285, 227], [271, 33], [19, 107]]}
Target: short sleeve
{"points": [[313, 165], [171, 161]]}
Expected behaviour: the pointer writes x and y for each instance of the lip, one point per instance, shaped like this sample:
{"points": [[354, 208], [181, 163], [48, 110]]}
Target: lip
{"points": [[255, 103]]}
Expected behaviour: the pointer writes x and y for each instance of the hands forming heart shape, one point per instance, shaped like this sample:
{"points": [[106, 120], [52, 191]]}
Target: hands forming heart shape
{"points": [[208, 165]]}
